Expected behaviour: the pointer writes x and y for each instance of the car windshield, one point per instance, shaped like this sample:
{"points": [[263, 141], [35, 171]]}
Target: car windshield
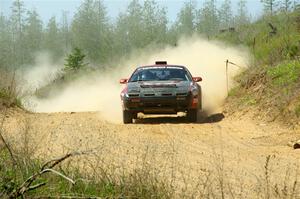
{"points": [[160, 74]]}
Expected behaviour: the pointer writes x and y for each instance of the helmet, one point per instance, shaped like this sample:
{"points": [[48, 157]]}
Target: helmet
{"points": [[147, 75]]}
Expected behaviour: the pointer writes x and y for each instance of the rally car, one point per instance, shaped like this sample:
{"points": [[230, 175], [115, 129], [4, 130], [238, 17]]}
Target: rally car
{"points": [[161, 89]]}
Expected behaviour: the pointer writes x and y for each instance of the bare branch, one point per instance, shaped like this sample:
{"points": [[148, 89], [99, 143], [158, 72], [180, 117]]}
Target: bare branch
{"points": [[36, 186], [47, 167], [54, 162], [69, 197], [57, 173]]}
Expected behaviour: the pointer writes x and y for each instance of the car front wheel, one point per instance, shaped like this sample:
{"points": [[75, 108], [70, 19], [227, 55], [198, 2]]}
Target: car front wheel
{"points": [[192, 115], [127, 117]]}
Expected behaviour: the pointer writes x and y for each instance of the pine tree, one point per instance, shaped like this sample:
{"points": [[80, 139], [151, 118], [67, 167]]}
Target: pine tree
{"points": [[33, 31], [296, 5], [134, 21], [17, 26], [154, 22], [242, 17], [130, 29], [270, 6], [52, 41], [90, 30], [186, 18], [6, 57], [286, 5], [122, 44], [65, 32], [225, 15], [207, 18], [75, 60]]}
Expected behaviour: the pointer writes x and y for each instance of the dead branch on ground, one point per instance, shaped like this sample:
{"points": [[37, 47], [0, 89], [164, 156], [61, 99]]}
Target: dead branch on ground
{"points": [[46, 168]]}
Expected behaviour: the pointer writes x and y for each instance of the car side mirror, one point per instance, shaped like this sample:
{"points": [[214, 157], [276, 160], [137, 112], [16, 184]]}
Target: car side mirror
{"points": [[123, 81], [197, 79]]}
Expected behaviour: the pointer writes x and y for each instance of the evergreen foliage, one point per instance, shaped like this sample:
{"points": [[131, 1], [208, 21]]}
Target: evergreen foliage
{"points": [[75, 60], [143, 23]]}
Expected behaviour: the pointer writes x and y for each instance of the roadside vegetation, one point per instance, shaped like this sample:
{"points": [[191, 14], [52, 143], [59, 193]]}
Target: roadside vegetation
{"points": [[9, 90], [25, 177], [272, 82]]}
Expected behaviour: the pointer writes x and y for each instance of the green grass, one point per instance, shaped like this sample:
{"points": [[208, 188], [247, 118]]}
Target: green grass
{"points": [[274, 88], [272, 81], [9, 99], [248, 100], [4, 94], [234, 91], [139, 184], [285, 74], [267, 48]]}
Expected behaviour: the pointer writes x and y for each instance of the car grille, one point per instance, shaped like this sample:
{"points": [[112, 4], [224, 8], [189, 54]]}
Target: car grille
{"points": [[161, 94], [133, 95], [149, 94], [181, 94], [166, 94]]}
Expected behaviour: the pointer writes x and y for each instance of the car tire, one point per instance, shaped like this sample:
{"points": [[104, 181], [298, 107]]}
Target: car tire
{"points": [[200, 98], [134, 115], [192, 115], [127, 117]]}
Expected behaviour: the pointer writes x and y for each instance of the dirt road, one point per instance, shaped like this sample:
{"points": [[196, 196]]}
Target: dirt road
{"points": [[236, 147]]}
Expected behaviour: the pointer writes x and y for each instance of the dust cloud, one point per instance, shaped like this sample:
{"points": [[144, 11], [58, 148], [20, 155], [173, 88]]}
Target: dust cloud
{"points": [[101, 91], [41, 73]]}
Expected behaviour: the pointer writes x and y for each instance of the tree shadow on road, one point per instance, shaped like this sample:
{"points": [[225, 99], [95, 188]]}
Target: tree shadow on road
{"points": [[203, 118]]}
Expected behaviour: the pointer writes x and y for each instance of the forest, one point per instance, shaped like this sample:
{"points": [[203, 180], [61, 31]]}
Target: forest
{"points": [[144, 23]]}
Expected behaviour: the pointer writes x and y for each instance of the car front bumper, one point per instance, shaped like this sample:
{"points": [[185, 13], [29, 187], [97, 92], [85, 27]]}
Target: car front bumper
{"points": [[158, 104]]}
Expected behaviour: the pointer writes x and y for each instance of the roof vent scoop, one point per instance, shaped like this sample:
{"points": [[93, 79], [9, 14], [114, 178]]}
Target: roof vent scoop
{"points": [[161, 63]]}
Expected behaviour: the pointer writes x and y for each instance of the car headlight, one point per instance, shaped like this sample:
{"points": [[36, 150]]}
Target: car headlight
{"points": [[124, 93], [194, 90]]}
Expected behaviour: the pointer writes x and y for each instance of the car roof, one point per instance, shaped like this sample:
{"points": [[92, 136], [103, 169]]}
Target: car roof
{"points": [[161, 66]]}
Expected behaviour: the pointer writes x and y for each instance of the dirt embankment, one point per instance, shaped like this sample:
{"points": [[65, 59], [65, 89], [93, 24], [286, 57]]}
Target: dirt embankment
{"points": [[237, 145]]}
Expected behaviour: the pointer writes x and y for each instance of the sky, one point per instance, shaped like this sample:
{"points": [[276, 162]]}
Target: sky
{"points": [[49, 8]]}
